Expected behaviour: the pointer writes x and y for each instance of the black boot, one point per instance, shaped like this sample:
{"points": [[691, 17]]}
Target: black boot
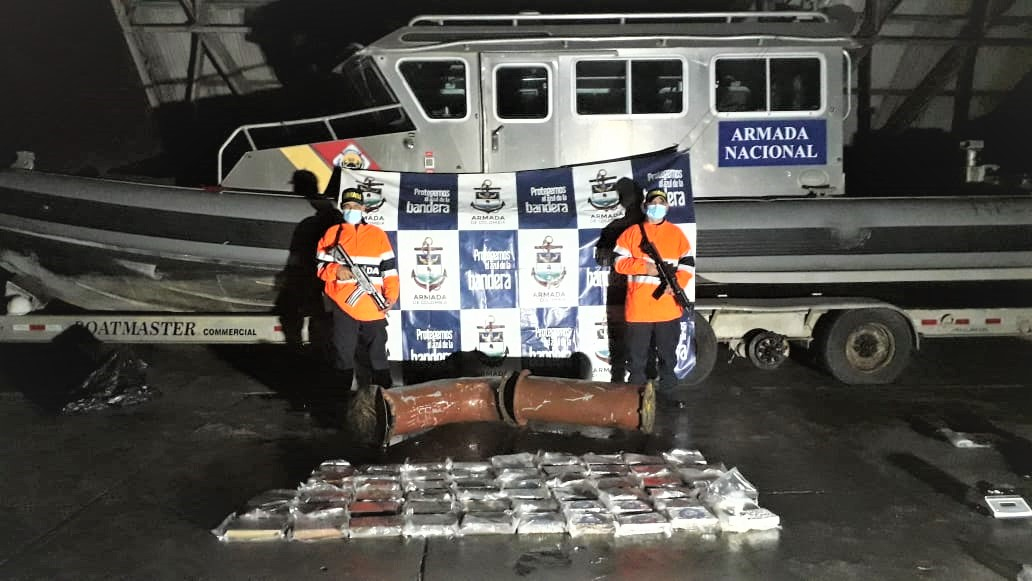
{"points": [[382, 378]]}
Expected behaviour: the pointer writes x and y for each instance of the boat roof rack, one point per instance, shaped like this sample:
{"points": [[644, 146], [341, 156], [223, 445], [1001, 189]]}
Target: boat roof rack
{"points": [[535, 18]]}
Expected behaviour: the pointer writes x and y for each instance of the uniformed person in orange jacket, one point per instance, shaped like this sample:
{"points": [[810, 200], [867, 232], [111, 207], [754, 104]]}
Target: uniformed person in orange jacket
{"points": [[362, 325], [650, 320]]}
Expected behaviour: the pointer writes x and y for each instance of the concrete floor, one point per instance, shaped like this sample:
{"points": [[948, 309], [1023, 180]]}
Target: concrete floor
{"points": [[864, 488]]}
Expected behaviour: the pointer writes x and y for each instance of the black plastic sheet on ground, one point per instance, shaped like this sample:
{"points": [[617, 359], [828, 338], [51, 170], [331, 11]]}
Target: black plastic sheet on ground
{"points": [[121, 380]]}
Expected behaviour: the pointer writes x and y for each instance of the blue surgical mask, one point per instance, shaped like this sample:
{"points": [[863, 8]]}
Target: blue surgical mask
{"points": [[353, 216], [656, 212]]}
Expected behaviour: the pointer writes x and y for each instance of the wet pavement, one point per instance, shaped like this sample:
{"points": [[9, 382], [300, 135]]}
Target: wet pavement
{"points": [[865, 487]]}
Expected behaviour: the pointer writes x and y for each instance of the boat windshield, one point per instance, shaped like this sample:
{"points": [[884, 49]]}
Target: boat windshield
{"points": [[367, 86]]}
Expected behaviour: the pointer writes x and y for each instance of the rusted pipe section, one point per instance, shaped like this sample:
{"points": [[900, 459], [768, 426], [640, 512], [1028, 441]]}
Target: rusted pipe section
{"points": [[528, 398], [422, 406]]}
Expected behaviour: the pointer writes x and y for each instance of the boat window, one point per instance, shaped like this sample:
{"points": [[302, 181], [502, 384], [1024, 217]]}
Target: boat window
{"points": [[655, 87], [795, 84], [438, 85], [741, 84], [745, 84], [368, 87], [522, 92], [602, 87]]}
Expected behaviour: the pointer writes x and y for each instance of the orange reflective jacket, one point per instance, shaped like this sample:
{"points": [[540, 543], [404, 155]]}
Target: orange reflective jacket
{"points": [[673, 246], [369, 247]]}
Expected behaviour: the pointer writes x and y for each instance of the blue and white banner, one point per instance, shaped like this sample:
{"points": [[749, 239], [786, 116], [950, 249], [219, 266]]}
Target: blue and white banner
{"points": [[503, 263]]}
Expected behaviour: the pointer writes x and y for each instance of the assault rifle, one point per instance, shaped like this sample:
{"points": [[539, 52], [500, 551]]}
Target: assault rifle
{"points": [[667, 273], [364, 286]]}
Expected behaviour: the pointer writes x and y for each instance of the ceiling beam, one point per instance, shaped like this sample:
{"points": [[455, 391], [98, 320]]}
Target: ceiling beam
{"points": [[945, 69]]}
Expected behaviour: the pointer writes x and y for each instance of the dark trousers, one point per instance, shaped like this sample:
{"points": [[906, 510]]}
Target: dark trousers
{"points": [[638, 342], [350, 335]]}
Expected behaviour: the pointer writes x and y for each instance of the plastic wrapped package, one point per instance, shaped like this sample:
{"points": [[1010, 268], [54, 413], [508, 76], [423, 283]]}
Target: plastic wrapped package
{"points": [[665, 479], [646, 523], [466, 473], [487, 523], [325, 525], [429, 495], [647, 469], [670, 503], [244, 528], [730, 491], [521, 460], [591, 458], [431, 525], [683, 457], [429, 507], [580, 524], [604, 470], [528, 492], [376, 526], [336, 463], [479, 494], [378, 492], [620, 507], [427, 485], [374, 507], [611, 495], [323, 493], [522, 484], [576, 491], [541, 523], [607, 482], [473, 482], [673, 492], [579, 506], [497, 505], [377, 480], [692, 518], [320, 508], [701, 475], [510, 474], [428, 475], [557, 459], [472, 468], [336, 475], [527, 506], [632, 459], [567, 479], [749, 517], [381, 470], [572, 470], [424, 467], [270, 503]]}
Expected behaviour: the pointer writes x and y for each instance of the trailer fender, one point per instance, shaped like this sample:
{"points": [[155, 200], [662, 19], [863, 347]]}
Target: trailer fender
{"points": [[705, 341], [864, 346]]}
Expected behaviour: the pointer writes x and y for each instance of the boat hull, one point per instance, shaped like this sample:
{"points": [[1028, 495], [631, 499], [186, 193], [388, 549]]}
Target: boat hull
{"points": [[109, 245]]}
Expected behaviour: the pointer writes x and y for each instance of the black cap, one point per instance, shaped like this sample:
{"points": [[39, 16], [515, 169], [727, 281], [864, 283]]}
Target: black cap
{"points": [[653, 194], [351, 195]]}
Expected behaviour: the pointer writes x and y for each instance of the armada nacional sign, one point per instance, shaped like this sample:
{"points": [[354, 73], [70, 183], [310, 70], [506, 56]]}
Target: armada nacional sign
{"points": [[763, 143]]}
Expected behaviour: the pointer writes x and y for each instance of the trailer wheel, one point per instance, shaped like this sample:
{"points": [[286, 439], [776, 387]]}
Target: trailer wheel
{"points": [[865, 346], [705, 341], [767, 350]]}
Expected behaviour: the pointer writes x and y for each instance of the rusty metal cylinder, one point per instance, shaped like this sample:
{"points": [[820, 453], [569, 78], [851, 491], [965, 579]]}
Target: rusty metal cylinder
{"points": [[529, 398], [422, 406]]}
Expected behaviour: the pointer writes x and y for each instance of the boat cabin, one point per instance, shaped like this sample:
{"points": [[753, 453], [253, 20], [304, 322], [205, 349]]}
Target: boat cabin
{"points": [[757, 98]]}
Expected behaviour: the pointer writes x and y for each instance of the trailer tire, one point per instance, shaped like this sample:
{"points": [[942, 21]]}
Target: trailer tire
{"points": [[705, 341], [865, 346]]}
